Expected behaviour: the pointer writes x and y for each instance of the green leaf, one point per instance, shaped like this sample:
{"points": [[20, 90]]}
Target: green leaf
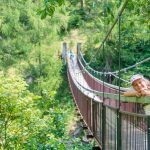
{"points": [[60, 2], [62, 146], [43, 14], [50, 10]]}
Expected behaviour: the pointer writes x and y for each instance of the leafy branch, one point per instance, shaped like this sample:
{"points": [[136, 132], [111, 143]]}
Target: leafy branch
{"points": [[49, 7]]}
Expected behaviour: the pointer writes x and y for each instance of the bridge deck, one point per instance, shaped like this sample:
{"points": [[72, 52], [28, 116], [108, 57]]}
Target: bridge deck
{"points": [[78, 78]]}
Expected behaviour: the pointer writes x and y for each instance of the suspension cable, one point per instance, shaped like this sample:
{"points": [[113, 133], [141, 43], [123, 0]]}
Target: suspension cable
{"points": [[86, 65], [110, 30], [101, 73], [135, 65], [116, 72]]}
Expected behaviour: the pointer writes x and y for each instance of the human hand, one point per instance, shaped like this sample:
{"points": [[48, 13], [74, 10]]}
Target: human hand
{"points": [[137, 94], [145, 92], [132, 94]]}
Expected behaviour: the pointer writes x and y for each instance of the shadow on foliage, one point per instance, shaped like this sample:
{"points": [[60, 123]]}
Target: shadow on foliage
{"points": [[63, 92]]}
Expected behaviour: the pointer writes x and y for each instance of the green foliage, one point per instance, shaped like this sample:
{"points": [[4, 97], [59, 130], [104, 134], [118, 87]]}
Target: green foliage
{"points": [[15, 112], [49, 7], [77, 17], [35, 101], [13, 45], [20, 28], [24, 19], [134, 35], [74, 22]]}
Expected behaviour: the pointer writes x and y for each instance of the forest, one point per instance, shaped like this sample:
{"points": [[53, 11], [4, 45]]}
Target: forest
{"points": [[36, 105]]}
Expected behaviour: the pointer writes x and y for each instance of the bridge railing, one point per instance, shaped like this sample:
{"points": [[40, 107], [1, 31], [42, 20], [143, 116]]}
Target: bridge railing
{"points": [[106, 76], [133, 104], [84, 105], [101, 120]]}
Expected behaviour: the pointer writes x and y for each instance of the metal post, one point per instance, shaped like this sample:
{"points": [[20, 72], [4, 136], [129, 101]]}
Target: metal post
{"points": [[78, 49], [103, 126], [103, 113], [64, 52], [118, 110], [92, 115], [148, 132]]}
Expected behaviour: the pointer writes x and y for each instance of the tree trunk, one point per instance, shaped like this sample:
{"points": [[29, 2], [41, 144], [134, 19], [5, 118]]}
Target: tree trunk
{"points": [[82, 3]]}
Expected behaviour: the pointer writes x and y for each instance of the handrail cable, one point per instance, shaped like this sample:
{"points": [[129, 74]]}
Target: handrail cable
{"points": [[135, 65], [98, 93], [108, 84], [111, 73], [116, 72]]}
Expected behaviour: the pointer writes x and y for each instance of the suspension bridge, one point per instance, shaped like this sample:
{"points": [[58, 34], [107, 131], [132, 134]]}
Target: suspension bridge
{"points": [[115, 121], [108, 121]]}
